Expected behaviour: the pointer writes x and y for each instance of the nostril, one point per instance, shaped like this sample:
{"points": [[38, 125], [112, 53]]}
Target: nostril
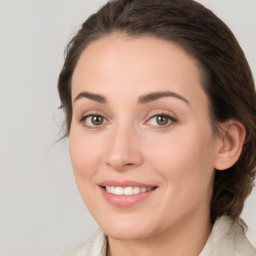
{"points": [[129, 164]]}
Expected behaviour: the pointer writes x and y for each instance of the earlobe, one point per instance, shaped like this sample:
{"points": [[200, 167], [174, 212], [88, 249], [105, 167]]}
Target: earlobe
{"points": [[232, 138]]}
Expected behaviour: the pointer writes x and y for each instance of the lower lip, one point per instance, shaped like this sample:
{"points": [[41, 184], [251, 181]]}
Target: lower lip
{"points": [[123, 201]]}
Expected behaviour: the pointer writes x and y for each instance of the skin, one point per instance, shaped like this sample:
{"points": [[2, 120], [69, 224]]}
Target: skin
{"points": [[179, 157]]}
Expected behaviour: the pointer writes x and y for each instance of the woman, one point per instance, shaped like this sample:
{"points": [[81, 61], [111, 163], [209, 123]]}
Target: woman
{"points": [[160, 113]]}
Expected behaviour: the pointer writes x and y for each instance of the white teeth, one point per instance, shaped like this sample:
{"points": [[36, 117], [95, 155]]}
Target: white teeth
{"points": [[136, 190], [143, 190], [119, 191], [112, 190], [126, 190]]}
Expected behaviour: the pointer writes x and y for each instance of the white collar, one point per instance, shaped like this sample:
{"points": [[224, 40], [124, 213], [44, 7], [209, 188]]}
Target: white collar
{"points": [[226, 239]]}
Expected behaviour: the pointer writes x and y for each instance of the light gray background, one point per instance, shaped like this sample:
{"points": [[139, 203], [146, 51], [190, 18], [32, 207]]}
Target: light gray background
{"points": [[41, 212]]}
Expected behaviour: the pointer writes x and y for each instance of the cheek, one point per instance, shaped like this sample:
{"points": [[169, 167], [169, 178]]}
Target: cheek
{"points": [[182, 147], [85, 154], [185, 161]]}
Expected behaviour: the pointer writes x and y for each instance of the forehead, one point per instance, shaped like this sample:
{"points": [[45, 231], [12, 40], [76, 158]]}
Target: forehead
{"points": [[140, 63]]}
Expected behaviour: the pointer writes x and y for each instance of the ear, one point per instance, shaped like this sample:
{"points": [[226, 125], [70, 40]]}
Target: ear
{"points": [[232, 138]]}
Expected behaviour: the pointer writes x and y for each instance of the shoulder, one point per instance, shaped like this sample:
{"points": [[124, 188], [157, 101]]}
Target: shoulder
{"points": [[227, 239], [96, 245]]}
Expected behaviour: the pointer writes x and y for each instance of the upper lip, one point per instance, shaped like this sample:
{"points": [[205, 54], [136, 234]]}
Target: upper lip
{"points": [[126, 183]]}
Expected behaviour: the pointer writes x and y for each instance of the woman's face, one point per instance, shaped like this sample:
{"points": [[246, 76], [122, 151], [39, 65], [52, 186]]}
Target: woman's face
{"points": [[141, 144]]}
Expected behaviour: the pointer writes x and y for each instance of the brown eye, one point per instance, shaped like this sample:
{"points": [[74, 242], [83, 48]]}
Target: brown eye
{"points": [[93, 120], [161, 120], [97, 120]]}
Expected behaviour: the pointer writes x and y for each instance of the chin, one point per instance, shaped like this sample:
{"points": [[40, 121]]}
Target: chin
{"points": [[128, 228], [127, 233]]}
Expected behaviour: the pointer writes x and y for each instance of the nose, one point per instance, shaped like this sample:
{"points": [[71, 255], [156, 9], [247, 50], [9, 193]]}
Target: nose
{"points": [[124, 151]]}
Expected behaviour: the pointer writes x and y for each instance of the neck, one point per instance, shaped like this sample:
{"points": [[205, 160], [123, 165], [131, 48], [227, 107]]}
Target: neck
{"points": [[185, 238]]}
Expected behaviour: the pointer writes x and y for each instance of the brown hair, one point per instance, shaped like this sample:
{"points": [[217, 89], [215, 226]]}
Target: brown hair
{"points": [[226, 76]]}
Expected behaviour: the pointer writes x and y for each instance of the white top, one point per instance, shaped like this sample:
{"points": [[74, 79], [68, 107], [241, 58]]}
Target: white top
{"points": [[226, 239]]}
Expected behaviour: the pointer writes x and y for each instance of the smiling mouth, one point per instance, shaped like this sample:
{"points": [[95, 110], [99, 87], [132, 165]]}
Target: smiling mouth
{"points": [[127, 191]]}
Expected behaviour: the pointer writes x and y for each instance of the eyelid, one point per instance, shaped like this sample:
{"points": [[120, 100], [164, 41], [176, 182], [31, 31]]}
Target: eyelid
{"points": [[173, 119], [160, 112], [92, 113]]}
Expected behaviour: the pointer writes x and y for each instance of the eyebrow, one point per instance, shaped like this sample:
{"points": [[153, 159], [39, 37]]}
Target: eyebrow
{"points": [[157, 95], [91, 96], [142, 99]]}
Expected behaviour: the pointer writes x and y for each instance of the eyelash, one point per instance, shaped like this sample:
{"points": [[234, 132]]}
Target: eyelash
{"points": [[170, 118], [83, 118]]}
